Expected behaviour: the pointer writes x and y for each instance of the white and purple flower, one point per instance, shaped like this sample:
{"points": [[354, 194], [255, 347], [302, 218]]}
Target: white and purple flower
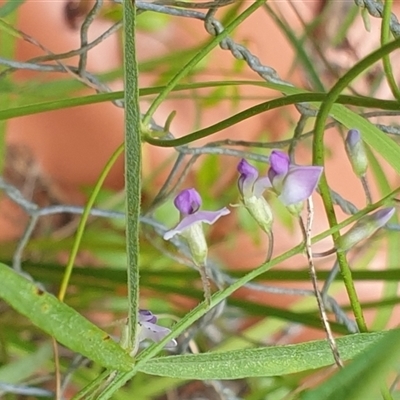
{"points": [[251, 189], [292, 183], [148, 329], [188, 202]]}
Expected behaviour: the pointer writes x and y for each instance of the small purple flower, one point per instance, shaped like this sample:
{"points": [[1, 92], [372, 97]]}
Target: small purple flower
{"points": [[150, 330], [365, 227], [292, 183], [188, 202]]}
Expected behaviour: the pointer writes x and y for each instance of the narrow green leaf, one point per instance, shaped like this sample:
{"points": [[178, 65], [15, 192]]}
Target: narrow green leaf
{"points": [[9, 7], [8, 29], [61, 321], [363, 378], [59, 104], [266, 361]]}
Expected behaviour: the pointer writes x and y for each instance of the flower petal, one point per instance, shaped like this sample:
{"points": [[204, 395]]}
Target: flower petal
{"points": [[279, 162], [260, 185], [188, 201], [353, 137], [299, 184], [248, 176], [150, 330], [147, 316], [208, 217], [382, 216], [155, 333]]}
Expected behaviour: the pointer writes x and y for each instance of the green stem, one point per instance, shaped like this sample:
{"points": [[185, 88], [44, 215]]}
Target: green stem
{"points": [[132, 166], [267, 106], [82, 222], [318, 159], [38, 108], [385, 36], [197, 58]]}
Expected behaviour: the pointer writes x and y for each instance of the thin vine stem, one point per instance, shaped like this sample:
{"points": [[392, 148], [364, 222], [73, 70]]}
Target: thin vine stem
{"points": [[385, 36], [82, 223], [319, 157], [263, 107], [306, 230]]}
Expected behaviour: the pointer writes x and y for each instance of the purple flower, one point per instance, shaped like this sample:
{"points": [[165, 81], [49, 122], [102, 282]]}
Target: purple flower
{"points": [[365, 227], [150, 330], [292, 183], [188, 202], [251, 189]]}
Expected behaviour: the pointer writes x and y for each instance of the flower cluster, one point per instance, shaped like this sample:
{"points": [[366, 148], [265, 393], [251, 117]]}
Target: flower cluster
{"points": [[291, 183]]}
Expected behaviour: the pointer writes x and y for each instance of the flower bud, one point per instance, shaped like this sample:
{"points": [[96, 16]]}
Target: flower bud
{"points": [[365, 227], [356, 152]]}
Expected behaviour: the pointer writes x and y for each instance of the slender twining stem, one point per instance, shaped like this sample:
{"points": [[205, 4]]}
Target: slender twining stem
{"points": [[209, 4], [385, 36], [132, 165], [306, 229], [206, 283], [367, 191], [270, 247], [83, 220], [84, 34], [17, 257], [319, 159], [56, 368]]}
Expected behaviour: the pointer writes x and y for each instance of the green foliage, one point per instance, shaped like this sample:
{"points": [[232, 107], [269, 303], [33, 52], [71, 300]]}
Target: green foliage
{"points": [[364, 376], [129, 263], [62, 322], [267, 361]]}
